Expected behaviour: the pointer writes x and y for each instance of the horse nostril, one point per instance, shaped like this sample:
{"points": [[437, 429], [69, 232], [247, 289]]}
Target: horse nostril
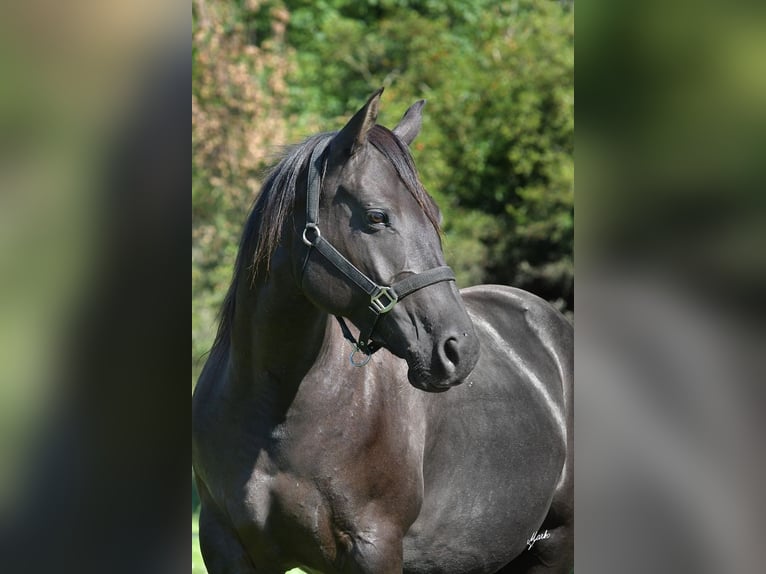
{"points": [[451, 350]]}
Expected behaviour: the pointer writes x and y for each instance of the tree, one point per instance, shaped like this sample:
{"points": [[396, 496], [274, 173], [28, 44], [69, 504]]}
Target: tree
{"points": [[497, 146], [496, 149]]}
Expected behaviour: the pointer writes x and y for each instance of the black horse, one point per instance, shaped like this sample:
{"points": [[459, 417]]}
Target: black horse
{"points": [[304, 458]]}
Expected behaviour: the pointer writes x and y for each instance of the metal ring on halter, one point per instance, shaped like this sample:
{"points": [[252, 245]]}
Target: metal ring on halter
{"points": [[315, 227], [353, 354]]}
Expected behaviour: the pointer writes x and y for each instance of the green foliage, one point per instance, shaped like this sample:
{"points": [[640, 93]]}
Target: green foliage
{"points": [[497, 146], [505, 135], [496, 149]]}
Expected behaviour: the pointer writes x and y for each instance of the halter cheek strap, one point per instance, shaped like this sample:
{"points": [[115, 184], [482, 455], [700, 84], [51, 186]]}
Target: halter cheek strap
{"points": [[383, 298]]}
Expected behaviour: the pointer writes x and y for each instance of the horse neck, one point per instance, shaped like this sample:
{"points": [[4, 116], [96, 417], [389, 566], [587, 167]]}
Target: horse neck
{"points": [[276, 331]]}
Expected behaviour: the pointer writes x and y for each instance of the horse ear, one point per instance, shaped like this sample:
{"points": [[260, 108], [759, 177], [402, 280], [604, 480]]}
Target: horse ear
{"points": [[408, 127], [354, 134]]}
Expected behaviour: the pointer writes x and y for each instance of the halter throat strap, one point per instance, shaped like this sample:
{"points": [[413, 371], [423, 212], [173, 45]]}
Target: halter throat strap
{"points": [[383, 298]]}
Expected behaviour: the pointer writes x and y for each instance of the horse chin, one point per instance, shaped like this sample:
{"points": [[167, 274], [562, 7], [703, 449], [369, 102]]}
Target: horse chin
{"points": [[423, 380], [432, 388]]}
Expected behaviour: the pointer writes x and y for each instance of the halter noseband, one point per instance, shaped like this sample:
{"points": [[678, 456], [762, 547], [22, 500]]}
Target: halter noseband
{"points": [[382, 298]]}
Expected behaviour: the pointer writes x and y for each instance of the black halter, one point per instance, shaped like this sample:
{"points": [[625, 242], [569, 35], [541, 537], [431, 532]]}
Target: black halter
{"points": [[382, 297]]}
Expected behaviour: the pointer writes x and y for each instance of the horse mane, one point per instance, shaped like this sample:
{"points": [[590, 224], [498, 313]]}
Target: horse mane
{"points": [[274, 207]]}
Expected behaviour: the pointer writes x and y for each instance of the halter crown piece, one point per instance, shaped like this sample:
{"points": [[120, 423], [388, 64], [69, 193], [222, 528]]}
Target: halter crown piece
{"points": [[383, 298]]}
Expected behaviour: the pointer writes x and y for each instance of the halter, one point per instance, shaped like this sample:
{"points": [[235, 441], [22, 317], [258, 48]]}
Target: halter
{"points": [[383, 298]]}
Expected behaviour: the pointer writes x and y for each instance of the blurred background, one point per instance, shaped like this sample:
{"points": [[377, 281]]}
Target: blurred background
{"points": [[671, 269], [93, 182]]}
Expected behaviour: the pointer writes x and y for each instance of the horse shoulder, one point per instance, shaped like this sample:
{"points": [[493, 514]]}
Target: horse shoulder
{"points": [[515, 300], [529, 332], [523, 321]]}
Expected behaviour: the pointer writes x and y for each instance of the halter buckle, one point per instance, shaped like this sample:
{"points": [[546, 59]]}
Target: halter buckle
{"points": [[383, 300]]}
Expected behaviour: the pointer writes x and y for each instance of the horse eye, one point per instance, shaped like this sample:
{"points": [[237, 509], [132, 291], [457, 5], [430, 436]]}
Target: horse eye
{"points": [[376, 217]]}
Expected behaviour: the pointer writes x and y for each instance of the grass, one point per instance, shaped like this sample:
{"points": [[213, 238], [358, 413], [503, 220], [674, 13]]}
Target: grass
{"points": [[198, 566]]}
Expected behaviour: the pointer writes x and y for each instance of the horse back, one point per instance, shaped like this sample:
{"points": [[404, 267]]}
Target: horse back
{"points": [[526, 329], [498, 446], [529, 334]]}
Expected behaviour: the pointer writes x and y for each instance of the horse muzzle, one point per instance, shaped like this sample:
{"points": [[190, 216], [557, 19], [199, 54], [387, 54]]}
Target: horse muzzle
{"points": [[453, 356]]}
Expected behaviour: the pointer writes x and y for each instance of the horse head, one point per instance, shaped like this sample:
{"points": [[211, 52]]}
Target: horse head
{"points": [[374, 253]]}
